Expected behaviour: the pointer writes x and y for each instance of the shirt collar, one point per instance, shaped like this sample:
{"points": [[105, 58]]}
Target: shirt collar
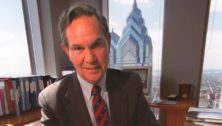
{"points": [[87, 87]]}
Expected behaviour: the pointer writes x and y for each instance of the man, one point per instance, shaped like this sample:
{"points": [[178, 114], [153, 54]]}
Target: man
{"points": [[76, 99]]}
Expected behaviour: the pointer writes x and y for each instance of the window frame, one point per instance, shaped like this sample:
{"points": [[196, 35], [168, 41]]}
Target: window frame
{"points": [[33, 31]]}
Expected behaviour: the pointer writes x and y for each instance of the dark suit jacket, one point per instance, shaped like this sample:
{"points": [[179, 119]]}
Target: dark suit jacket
{"points": [[63, 103]]}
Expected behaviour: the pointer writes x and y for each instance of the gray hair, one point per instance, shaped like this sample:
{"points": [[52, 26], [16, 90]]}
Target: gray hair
{"points": [[77, 10]]}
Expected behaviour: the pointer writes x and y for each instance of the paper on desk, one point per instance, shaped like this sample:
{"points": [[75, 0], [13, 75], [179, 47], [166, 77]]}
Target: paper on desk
{"points": [[204, 115]]}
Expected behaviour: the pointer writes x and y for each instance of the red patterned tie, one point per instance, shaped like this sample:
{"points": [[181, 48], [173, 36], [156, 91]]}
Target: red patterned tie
{"points": [[101, 111]]}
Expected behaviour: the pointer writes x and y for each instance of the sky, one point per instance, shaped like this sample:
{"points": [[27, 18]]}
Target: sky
{"points": [[213, 48], [14, 58], [152, 12]]}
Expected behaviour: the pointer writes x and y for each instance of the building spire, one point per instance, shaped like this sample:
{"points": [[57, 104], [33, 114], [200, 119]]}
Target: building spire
{"points": [[134, 4]]}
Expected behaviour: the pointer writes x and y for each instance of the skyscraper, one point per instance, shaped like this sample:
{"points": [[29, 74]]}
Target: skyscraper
{"points": [[134, 47]]}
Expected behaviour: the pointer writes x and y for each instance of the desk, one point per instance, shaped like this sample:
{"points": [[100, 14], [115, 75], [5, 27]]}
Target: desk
{"points": [[187, 123], [176, 113], [24, 118]]}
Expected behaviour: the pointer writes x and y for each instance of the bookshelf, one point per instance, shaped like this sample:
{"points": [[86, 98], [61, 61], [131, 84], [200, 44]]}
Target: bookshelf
{"points": [[19, 99], [24, 118]]}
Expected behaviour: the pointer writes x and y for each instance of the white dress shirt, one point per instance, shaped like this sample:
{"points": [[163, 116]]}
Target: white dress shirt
{"points": [[86, 89]]}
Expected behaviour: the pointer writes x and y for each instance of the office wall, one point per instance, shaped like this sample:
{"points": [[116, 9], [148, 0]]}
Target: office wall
{"points": [[49, 11], [185, 25]]}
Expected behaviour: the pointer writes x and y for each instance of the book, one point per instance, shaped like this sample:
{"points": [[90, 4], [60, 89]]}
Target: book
{"points": [[11, 95], [8, 99], [5, 96], [22, 93], [15, 85], [2, 97], [26, 92], [1, 111], [204, 115], [32, 93], [19, 93]]}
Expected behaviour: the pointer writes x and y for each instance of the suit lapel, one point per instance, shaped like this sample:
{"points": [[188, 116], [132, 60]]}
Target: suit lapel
{"points": [[117, 99], [75, 103], [75, 106]]}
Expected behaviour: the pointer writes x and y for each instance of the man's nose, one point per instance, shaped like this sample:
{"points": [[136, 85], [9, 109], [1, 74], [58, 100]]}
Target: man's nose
{"points": [[90, 56]]}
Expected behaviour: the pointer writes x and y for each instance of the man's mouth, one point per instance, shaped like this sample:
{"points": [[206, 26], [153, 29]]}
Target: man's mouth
{"points": [[92, 68]]}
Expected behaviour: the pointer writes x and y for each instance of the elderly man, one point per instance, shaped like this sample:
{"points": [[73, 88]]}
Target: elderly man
{"points": [[94, 95]]}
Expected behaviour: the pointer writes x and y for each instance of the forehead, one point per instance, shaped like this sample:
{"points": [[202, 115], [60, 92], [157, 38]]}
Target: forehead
{"points": [[83, 24]]}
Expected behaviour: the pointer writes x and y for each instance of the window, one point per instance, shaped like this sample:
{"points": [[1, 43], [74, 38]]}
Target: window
{"points": [[211, 84], [14, 56], [136, 35]]}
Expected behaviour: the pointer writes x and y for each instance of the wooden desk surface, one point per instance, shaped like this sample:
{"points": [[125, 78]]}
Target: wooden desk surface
{"points": [[188, 123], [180, 104], [24, 118], [176, 113]]}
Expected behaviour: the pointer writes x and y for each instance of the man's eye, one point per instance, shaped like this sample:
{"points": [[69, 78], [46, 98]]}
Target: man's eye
{"points": [[98, 44], [77, 48]]}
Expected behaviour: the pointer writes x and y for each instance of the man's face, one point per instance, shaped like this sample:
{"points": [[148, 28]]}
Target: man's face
{"points": [[88, 49]]}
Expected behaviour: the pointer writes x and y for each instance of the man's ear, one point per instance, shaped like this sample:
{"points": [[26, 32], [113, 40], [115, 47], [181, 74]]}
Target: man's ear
{"points": [[65, 48]]}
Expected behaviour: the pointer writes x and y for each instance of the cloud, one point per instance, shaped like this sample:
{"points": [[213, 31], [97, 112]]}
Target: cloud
{"points": [[216, 5], [214, 40], [114, 25], [5, 36], [12, 38], [15, 50], [213, 51], [130, 2]]}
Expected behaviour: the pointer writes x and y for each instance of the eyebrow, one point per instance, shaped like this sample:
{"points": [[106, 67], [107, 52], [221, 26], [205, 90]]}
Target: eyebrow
{"points": [[97, 42]]}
